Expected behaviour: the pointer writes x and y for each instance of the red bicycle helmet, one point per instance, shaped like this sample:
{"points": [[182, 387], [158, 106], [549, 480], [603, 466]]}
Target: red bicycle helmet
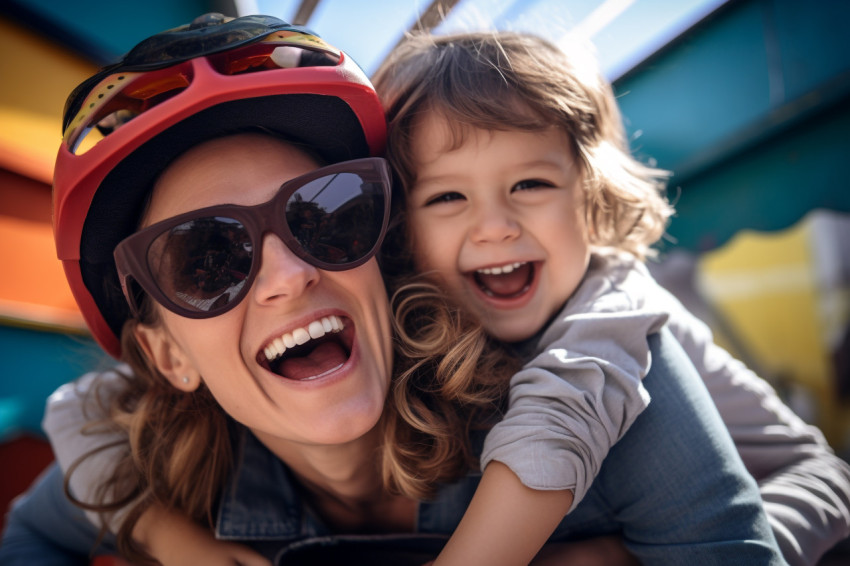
{"points": [[172, 91]]}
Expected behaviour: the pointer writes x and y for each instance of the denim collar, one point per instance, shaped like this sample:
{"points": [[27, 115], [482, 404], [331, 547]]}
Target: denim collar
{"points": [[261, 501]]}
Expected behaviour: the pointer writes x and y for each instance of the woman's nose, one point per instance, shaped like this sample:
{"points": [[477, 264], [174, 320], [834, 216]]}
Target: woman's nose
{"points": [[283, 275], [494, 224]]}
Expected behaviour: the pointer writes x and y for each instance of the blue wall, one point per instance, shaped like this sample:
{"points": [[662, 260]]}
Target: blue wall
{"points": [[103, 30], [33, 364], [749, 110]]}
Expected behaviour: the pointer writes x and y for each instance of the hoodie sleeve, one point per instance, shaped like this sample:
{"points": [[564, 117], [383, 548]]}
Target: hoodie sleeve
{"points": [[70, 422]]}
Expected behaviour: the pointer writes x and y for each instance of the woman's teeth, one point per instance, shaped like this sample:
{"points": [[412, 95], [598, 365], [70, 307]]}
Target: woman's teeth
{"points": [[501, 269], [299, 336]]}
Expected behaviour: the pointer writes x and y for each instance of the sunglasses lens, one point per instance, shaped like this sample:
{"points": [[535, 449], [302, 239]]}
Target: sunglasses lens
{"points": [[332, 219], [337, 218], [202, 264]]}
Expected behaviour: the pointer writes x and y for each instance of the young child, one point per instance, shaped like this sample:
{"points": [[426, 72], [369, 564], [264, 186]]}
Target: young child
{"points": [[523, 202]]}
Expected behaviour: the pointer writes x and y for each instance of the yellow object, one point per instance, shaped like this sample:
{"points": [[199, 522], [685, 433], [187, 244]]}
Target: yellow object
{"points": [[771, 289], [36, 76]]}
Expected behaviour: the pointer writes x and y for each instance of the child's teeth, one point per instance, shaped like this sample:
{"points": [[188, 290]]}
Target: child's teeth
{"points": [[502, 269], [315, 329]]}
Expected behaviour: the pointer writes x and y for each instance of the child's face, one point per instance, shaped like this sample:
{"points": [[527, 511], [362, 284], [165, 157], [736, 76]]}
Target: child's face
{"points": [[500, 222]]}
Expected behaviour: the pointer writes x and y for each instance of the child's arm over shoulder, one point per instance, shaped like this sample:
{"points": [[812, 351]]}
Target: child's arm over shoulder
{"points": [[582, 390], [73, 407], [168, 536], [506, 523], [571, 402]]}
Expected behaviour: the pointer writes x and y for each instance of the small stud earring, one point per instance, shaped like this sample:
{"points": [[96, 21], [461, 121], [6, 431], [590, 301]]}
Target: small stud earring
{"points": [[186, 379]]}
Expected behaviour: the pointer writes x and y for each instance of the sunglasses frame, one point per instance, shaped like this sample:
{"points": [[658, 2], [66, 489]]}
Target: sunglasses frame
{"points": [[131, 254]]}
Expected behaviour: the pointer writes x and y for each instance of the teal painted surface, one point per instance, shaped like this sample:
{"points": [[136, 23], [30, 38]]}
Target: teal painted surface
{"points": [[740, 74], [769, 187], [117, 26], [34, 364], [813, 42], [749, 111], [693, 97]]}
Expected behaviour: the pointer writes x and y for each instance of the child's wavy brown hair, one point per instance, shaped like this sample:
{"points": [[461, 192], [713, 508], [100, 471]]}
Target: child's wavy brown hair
{"points": [[513, 81]]}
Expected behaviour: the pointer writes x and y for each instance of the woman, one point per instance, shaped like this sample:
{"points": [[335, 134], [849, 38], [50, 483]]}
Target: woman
{"points": [[291, 442]]}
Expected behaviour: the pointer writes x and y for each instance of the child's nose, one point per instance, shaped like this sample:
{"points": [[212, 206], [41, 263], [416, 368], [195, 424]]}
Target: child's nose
{"points": [[495, 224], [283, 275]]}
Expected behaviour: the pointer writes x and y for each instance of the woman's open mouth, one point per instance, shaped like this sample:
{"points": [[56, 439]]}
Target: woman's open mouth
{"points": [[309, 352], [507, 281]]}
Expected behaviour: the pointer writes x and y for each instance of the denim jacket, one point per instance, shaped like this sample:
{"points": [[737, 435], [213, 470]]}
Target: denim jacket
{"points": [[262, 501]]}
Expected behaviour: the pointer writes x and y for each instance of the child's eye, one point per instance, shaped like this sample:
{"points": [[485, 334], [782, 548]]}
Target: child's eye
{"points": [[531, 184], [444, 197]]}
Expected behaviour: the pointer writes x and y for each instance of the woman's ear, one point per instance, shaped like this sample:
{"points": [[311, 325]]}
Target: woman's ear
{"points": [[167, 356]]}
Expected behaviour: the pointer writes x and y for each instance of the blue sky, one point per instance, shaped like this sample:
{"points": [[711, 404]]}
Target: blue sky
{"points": [[624, 32]]}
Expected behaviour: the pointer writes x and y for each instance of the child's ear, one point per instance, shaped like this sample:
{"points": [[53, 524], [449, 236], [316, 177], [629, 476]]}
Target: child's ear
{"points": [[167, 356]]}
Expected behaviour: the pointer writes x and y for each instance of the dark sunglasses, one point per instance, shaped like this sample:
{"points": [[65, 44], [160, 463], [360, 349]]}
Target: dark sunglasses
{"points": [[202, 263]]}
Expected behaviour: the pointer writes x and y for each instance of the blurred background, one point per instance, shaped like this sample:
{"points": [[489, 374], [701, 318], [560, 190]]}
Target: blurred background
{"points": [[745, 101]]}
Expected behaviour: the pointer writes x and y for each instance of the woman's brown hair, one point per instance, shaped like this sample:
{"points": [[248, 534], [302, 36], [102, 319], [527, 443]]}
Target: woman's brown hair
{"points": [[179, 446]]}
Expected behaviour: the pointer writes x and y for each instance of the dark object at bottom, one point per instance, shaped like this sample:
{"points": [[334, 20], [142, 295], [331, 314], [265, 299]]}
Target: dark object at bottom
{"points": [[374, 550]]}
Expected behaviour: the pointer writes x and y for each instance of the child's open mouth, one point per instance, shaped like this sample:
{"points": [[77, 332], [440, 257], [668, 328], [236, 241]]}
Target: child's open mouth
{"points": [[505, 281], [309, 352]]}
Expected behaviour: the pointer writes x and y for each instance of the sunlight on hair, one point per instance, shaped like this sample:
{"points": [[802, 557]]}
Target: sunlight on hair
{"points": [[599, 18], [505, 15], [583, 57]]}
